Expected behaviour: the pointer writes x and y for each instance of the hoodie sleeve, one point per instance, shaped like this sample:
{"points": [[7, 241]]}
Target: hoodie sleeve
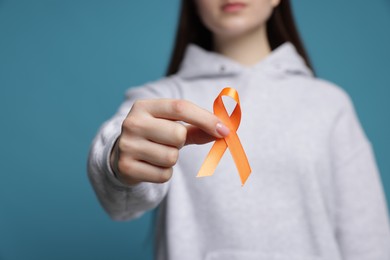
{"points": [[361, 215], [121, 201]]}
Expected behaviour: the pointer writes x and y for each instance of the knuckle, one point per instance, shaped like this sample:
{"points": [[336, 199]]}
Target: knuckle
{"points": [[127, 146], [126, 166], [165, 175], [178, 106], [138, 104], [181, 135], [172, 157], [132, 123], [121, 145]]}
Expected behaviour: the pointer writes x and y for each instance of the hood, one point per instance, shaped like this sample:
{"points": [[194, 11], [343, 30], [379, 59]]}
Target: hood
{"points": [[198, 62]]}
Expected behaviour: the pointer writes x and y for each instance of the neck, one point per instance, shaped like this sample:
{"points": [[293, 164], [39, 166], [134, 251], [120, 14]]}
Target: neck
{"points": [[247, 49]]}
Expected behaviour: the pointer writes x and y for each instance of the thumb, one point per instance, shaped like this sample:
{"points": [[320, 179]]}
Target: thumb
{"points": [[196, 135]]}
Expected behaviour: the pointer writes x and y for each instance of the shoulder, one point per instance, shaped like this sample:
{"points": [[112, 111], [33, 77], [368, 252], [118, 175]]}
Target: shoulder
{"points": [[321, 92]]}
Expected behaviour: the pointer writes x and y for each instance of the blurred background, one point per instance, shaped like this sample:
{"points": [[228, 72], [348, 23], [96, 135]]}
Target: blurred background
{"points": [[64, 69]]}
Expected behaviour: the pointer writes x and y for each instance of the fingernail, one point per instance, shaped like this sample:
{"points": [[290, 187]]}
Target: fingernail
{"points": [[222, 129]]}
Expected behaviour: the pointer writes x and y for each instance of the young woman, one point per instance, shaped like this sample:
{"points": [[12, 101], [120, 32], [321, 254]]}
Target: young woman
{"points": [[314, 191]]}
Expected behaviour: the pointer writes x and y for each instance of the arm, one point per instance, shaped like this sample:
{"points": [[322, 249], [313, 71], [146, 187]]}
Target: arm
{"points": [[361, 216], [141, 142], [120, 201]]}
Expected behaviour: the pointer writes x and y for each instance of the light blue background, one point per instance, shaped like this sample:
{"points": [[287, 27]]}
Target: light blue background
{"points": [[64, 68]]}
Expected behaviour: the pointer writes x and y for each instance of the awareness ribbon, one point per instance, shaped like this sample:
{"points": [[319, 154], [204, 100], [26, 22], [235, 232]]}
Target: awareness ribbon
{"points": [[232, 141]]}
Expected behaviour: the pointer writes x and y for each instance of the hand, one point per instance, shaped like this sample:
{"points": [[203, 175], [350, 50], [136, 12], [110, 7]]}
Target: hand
{"points": [[151, 137]]}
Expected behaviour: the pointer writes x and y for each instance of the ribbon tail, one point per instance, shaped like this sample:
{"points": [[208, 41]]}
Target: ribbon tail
{"points": [[213, 158], [239, 157]]}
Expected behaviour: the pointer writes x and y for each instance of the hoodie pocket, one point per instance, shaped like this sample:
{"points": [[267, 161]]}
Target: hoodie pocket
{"points": [[252, 255]]}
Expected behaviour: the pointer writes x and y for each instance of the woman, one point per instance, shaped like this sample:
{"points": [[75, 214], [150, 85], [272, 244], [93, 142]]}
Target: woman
{"points": [[314, 191]]}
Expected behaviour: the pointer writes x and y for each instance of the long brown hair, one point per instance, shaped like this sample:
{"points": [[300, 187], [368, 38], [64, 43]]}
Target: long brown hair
{"points": [[280, 28]]}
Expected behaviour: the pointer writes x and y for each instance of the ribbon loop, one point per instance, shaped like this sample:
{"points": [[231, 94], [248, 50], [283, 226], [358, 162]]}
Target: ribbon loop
{"points": [[232, 141]]}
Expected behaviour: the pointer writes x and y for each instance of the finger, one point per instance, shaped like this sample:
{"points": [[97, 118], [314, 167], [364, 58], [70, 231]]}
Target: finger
{"points": [[158, 130], [144, 172], [150, 152], [182, 110], [196, 135]]}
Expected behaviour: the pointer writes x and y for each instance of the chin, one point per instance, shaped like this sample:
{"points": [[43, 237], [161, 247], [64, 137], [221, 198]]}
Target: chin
{"points": [[234, 29]]}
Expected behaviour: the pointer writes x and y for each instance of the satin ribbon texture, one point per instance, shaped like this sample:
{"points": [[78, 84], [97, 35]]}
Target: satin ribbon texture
{"points": [[232, 141]]}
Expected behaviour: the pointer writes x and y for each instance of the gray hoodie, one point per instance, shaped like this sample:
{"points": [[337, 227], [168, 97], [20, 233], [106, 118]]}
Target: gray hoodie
{"points": [[314, 192]]}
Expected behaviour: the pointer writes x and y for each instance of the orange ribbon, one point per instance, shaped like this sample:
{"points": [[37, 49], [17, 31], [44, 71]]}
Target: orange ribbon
{"points": [[232, 141]]}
